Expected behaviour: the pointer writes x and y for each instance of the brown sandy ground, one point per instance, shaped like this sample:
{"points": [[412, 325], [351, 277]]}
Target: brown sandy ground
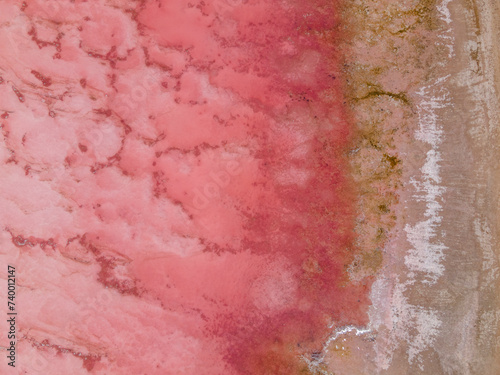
{"points": [[402, 56]]}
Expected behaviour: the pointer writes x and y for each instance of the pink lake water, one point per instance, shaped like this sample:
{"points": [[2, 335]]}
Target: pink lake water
{"points": [[175, 195]]}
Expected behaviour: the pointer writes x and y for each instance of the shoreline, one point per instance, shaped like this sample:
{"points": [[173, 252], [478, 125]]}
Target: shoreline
{"points": [[435, 306]]}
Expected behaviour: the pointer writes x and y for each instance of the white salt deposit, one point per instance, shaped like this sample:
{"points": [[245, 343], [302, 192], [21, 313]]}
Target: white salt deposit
{"points": [[396, 320], [427, 252]]}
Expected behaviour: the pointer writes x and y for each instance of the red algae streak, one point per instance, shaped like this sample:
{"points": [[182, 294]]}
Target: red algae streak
{"points": [[20, 96], [188, 173], [44, 80]]}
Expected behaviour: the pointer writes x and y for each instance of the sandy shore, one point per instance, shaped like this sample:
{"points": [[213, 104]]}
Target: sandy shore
{"points": [[424, 83]]}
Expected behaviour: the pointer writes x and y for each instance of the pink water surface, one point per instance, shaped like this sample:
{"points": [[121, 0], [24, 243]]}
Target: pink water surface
{"points": [[175, 194]]}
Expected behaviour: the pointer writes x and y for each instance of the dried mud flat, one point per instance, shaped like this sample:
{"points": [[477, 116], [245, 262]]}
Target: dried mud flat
{"points": [[423, 82]]}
